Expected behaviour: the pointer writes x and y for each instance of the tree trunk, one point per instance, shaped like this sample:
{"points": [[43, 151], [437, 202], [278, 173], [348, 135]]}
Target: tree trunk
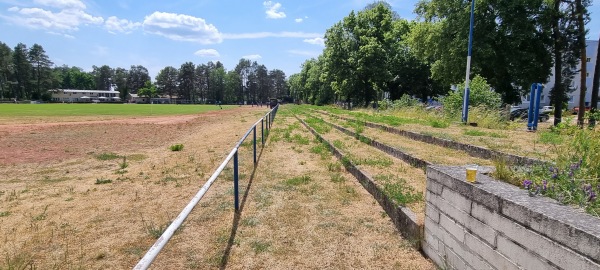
{"points": [[595, 86], [559, 90], [582, 45]]}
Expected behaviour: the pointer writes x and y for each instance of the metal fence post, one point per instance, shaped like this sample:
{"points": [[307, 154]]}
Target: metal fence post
{"points": [[254, 143], [236, 192], [262, 131]]}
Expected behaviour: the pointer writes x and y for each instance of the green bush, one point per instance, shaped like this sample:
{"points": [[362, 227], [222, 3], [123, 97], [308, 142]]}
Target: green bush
{"points": [[176, 147], [481, 94]]}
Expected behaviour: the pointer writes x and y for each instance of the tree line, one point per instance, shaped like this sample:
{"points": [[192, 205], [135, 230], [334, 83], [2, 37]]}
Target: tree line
{"points": [[374, 52], [27, 74]]}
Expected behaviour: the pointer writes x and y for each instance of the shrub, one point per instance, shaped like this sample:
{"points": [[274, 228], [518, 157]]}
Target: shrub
{"points": [[481, 94], [176, 147]]}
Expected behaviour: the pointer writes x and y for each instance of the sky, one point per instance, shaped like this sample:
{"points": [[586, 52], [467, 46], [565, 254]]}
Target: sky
{"points": [[120, 33]]}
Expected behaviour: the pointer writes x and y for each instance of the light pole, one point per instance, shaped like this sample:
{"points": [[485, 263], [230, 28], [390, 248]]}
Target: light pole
{"points": [[465, 112]]}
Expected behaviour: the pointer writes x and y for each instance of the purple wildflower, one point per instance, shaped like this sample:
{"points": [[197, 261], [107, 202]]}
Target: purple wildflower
{"points": [[592, 196], [544, 185], [527, 184]]}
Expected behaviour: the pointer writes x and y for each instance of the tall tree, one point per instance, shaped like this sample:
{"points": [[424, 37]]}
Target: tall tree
{"points": [[187, 81], [166, 81], [137, 77], [41, 70], [581, 14], [201, 83], [120, 82], [6, 69], [595, 86], [149, 91], [22, 71], [509, 36], [278, 83], [217, 82], [103, 76], [232, 86]]}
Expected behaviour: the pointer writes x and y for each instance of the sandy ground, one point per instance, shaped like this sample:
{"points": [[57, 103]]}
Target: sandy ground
{"points": [[55, 214]]}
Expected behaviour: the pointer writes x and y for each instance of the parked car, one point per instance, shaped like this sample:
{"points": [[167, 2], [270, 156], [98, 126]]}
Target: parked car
{"points": [[576, 109], [514, 108], [547, 109], [520, 114]]}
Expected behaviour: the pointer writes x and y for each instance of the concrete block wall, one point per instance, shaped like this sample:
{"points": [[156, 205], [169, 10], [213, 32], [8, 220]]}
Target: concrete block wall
{"points": [[494, 225]]}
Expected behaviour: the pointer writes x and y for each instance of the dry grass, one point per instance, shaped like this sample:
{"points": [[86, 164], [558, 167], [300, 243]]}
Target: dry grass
{"points": [[377, 163], [308, 213]]}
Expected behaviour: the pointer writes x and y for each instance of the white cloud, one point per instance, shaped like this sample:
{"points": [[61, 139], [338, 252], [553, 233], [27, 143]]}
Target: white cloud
{"points": [[68, 19], [315, 41], [62, 4], [61, 34], [252, 57], [181, 27], [114, 24], [271, 34], [305, 53], [299, 20], [273, 10], [207, 53]]}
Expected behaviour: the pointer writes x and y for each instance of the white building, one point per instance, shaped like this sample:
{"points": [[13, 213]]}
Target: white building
{"points": [[591, 51], [71, 95]]}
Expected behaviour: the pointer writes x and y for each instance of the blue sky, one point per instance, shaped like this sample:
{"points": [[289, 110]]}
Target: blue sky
{"points": [[120, 33]]}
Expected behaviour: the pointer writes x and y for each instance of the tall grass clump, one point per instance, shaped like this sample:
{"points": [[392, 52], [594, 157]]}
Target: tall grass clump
{"points": [[574, 178]]}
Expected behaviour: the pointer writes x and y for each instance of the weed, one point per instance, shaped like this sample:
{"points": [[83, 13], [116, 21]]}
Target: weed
{"points": [[260, 246], [296, 181], [339, 144], [382, 162], [155, 231], [550, 137], [4, 214], [334, 167], [504, 172], [107, 156], [40, 216], [472, 132], [176, 147], [101, 181], [297, 138], [397, 189], [250, 222], [438, 123], [337, 178], [364, 139]]}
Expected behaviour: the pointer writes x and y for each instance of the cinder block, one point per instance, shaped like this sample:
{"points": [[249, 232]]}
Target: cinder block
{"points": [[453, 228], [545, 247], [521, 256], [434, 255], [432, 212], [488, 254], [456, 200], [434, 186], [454, 260], [431, 240]]}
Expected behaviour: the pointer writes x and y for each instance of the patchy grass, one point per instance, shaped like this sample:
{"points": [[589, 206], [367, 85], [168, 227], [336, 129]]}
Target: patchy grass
{"points": [[107, 156]]}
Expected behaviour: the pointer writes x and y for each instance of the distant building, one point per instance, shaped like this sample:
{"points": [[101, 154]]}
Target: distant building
{"points": [[71, 95], [591, 51]]}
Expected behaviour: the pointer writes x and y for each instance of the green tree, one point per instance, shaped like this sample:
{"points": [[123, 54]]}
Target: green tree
{"points": [[41, 70], [509, 45], [233, 83], [136, 78], [217, 82], [21, 71], [278, 84], [120, 82], [166, 81], [103, 76], [149, 91], [481, 95], [582, 13], [186, 81], [6, 69]]}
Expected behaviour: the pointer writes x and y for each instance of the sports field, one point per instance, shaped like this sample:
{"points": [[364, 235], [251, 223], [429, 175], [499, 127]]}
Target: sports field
{"points": [[61, 109]]}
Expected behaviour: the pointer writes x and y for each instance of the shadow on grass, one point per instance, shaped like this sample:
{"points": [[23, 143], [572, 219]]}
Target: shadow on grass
{"points": [[237, 215]]}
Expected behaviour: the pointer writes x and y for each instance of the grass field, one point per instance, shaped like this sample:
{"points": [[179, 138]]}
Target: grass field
{"points": [[55, 110]]}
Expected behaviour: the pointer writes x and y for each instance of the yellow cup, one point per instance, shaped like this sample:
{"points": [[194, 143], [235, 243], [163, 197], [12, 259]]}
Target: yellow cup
{"points": [[471, 174]]}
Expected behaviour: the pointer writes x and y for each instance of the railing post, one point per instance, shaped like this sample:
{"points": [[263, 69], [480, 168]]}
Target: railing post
{"points": [[254, 143], [262, 131], [236, 192]]}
